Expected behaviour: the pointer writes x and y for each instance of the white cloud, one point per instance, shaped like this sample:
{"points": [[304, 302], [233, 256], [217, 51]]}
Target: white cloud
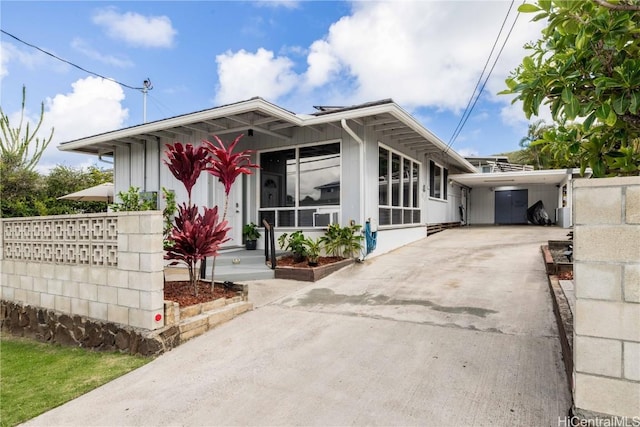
{"points": [[424, 53], [287, 4], [136, 29], [243, 75], [323, 64], [94, 106], [83, 47], [29, 59], [513, 115], [420, 53]]}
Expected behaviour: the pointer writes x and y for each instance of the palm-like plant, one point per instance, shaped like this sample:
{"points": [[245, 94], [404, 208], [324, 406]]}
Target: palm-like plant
{"points": [[186, 163], [227, 165], [195, 237]]}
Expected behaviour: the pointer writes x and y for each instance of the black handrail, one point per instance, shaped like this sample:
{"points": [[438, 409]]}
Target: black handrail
{"points": [[269, 243]]}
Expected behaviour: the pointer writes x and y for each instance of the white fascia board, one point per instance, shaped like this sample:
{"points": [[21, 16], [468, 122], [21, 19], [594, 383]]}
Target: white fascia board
{"points": [[215, 113], [544, 176], [401, 115], [410, 121]]}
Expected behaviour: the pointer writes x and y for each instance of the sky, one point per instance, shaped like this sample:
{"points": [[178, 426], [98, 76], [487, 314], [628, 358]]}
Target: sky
{"points": [[425, 55]]}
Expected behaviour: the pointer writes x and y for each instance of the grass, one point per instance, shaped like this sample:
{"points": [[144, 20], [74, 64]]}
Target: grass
{"points": [[36, 377]]}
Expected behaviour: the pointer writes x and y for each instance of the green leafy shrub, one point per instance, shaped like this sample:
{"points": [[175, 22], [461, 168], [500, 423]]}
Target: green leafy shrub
{"points": [[294, 242], [131, 201], [343, 241]]}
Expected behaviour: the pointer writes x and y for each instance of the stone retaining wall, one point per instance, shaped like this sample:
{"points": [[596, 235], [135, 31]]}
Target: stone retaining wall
{"points": [[49, 326], [607, 285]]}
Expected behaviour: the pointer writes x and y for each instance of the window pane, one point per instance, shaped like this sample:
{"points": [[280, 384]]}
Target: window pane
{"points": [[286, 218], [396, 216], [407, 216], [445, 183], [270, 216], [437, 181], [395, 180], [385, 216], [383, 176], [432, 169], [406, 182], [277, 176], [305, 217], [416, 185], [320, 175], [416, 216]]}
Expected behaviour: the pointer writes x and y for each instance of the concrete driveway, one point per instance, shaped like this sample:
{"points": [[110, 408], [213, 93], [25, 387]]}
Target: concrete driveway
{"points": [[456, 329]]}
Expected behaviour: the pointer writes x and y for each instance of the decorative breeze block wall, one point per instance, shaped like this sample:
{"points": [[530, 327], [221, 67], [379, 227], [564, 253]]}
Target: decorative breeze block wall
{"points": [[607, 283], [107, 266]]}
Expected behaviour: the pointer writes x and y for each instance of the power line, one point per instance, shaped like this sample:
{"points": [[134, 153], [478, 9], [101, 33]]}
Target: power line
{"points": [[470, 106], [68, 62], [495, 43]]}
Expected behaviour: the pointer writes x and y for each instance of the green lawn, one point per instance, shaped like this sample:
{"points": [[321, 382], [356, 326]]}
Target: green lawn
{"points": [[36, 377]]}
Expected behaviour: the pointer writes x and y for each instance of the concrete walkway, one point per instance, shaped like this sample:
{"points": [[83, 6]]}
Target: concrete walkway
{"points": [[456, 329]]}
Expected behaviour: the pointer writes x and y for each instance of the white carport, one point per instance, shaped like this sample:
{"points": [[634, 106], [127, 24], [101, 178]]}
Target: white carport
{"points": [[487, 190]]}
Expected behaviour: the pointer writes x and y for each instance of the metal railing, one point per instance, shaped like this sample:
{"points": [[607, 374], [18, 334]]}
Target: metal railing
{"points": [[269, 244]]}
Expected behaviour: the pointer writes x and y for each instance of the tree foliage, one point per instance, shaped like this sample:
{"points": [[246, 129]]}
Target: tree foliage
{"points": [[194, 237], [227, 165], [18, 143], [25, 192], [586, 67], [198, 236], [186, 163]]}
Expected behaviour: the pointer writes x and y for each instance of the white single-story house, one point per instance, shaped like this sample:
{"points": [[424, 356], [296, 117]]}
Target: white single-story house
{"points": [[372, 161]]}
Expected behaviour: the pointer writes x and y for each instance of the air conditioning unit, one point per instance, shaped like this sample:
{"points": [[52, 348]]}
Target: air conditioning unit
{"points": [[324, 219]]}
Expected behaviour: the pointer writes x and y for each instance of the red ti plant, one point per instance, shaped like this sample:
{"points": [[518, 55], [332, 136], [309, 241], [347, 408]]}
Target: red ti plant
{"points": [[227, 165], [195, 236], [186, 163]]}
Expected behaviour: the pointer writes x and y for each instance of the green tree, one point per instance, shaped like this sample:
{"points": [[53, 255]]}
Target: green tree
{"points": [[64, 180], [19, 142], [531, 153], [19, 188], [24, 192], [586, 66]]}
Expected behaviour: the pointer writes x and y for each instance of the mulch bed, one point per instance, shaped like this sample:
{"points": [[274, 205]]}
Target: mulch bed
{"points": [[182, 292], [288, 261], [565, 275]]}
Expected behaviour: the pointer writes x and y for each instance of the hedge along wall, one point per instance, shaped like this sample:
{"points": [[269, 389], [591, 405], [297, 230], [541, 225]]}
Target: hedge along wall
{"points": [[107, 266], [607, 284]]}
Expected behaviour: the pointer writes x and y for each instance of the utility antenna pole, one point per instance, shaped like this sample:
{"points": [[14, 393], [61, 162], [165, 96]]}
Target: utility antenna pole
{"points": [[147, 86]]}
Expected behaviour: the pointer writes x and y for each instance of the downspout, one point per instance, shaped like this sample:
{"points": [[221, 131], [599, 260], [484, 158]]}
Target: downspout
{"points": [[145, 165], [363, 199], [159, 151]]}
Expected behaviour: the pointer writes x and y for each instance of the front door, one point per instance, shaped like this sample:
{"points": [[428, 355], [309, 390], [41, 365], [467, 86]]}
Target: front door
{"points": [[511, 206], [234, 210]]}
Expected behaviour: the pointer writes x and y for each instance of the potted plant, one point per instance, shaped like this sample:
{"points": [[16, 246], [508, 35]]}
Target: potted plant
{"points": [[251, 235]]}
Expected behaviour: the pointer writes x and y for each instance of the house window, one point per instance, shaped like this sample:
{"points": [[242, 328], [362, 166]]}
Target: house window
{"points": [[398, 183], [299, 183], [437, 181]]}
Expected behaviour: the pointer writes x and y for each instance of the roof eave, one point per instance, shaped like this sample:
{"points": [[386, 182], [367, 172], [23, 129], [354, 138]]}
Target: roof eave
{"points": [[395, 110], [255, 104]]}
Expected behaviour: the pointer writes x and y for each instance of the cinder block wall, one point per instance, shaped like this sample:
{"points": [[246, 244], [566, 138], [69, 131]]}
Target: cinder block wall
{"points": [[107, 267], [607, 283]]}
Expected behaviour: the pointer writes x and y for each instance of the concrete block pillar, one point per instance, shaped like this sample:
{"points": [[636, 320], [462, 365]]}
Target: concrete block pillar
{"points": [[140, 280], [606, 217]]}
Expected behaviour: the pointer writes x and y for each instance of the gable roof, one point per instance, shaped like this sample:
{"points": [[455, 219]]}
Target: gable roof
{"points": [[384, 116]]}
